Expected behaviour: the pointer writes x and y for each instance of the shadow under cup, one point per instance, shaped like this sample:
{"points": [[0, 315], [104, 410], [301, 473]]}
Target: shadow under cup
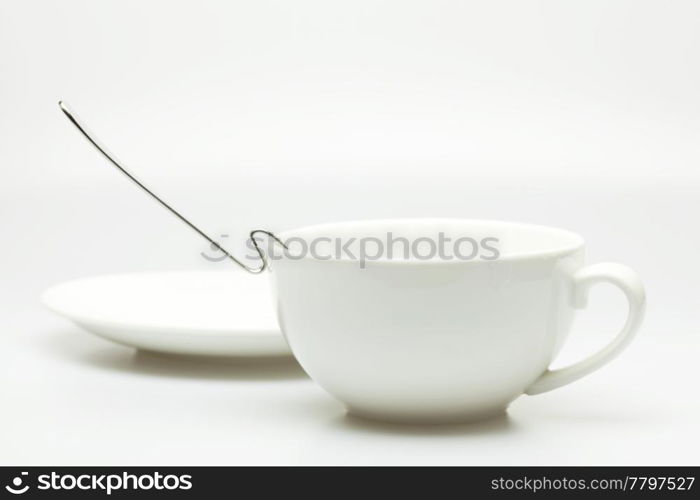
{"points": [[453, 334]]}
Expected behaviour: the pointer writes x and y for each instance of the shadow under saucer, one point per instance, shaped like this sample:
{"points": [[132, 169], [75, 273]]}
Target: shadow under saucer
{"points": [[126, 359], [240, 368]]}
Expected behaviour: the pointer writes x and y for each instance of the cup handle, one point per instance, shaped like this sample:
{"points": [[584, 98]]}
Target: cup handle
{"points": [[626, 280]]}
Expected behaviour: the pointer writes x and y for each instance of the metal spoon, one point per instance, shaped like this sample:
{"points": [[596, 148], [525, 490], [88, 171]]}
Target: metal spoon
{"points": [[112, 159]]}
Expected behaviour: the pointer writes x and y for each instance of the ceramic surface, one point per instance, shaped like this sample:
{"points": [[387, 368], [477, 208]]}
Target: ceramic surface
{"points": [[202, 313], [437, 340]]}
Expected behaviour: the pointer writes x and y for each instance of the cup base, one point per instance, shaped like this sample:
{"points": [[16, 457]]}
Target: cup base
{"points": [[428, 419]]}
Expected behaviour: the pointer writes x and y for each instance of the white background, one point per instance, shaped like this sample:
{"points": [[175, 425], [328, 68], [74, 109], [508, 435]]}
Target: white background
{"points": [[274, 114]]}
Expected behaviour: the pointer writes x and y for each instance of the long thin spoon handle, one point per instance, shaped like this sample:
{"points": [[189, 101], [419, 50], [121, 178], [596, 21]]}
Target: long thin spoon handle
{"points": [[112, 159]]}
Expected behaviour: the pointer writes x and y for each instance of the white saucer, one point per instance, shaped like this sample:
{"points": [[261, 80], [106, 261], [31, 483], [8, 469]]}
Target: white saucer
{"points": [[225, 313]]}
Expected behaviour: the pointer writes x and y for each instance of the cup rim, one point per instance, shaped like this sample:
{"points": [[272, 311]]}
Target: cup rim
{"points": [[576, 241]]}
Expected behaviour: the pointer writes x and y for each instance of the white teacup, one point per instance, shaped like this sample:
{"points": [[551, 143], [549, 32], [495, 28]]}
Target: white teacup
{"points": [[432, 339]]}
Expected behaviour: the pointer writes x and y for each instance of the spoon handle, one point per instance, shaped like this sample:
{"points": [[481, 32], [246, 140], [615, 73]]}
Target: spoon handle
{"points": [[113, 160]]}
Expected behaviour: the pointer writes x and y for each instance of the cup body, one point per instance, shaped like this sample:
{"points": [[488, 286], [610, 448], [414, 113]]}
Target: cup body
{"points": [[429, 340]]}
